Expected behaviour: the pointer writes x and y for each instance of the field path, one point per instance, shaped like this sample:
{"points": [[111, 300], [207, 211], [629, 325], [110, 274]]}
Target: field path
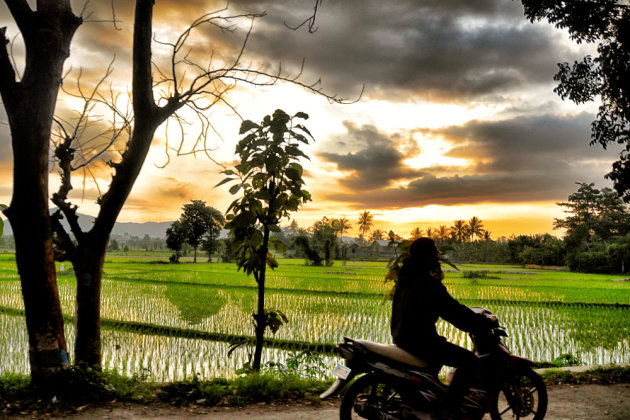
{"points": [[566, 402]]}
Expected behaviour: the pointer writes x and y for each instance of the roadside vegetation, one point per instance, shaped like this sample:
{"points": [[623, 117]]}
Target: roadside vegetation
{"points": [[91, 388]]}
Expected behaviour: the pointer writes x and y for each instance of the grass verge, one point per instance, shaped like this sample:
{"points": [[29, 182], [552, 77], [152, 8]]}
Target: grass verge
{"points": [[600, 375], [86, 388], [94, 388]]}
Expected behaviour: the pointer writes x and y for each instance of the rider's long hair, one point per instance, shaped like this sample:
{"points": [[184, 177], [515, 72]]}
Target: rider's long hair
{"points": [[423, 260]]}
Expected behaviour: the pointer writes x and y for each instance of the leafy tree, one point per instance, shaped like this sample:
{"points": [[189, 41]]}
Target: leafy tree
{"points": [[175, 238], [312, 256], [199, 222], [365, 222], [594, 214], [324, 234], [536, 249], [607, 24], [479, 252], [270, 180], [113, 245], [210, 244]]}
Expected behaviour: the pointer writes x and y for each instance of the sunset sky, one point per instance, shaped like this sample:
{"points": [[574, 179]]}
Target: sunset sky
{"points": [[458, 117]]}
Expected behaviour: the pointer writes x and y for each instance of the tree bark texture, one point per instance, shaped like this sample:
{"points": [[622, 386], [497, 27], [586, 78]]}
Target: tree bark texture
{"points": [[88, 269], [30, 104]]}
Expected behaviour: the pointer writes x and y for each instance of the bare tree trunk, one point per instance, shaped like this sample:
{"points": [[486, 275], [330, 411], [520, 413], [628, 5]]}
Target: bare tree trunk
{"points": [[30, 104], [88, 269], [147, 117]]}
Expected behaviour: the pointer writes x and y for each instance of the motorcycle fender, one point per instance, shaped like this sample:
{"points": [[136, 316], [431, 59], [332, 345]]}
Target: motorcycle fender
{"points": [[337, 386], [516, 362]]}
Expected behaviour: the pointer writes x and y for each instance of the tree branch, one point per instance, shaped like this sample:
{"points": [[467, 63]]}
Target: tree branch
{"points": [[142, 89], [64, 249], [23, 15], [310, 21], [7, 73]]}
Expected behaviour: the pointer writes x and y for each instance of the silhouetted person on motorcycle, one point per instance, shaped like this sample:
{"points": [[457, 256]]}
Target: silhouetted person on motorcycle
{"points": [[419, 300]]}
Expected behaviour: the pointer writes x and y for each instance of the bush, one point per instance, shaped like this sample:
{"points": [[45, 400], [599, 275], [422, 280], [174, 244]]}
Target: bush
{"points": [[478, 274], [590, 262], [479, 252]]}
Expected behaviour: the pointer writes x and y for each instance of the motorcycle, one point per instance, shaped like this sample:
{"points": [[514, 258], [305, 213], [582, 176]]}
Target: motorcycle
{"points": [[393, 384]]}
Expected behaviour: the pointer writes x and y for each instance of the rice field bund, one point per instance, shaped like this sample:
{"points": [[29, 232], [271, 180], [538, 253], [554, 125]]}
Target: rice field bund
{"points": [[173, 321]]}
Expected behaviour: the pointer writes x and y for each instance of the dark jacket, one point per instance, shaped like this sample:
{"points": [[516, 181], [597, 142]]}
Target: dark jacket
{"points": [[419, 300]]}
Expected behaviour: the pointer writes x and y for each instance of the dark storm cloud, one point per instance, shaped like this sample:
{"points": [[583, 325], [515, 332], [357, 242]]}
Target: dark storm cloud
{"points": [[533, 143], [456, 190], [372, 160], [516, 160], [439, 50]]}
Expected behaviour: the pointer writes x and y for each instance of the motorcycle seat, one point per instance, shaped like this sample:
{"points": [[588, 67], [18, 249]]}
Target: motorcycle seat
{"points": [[395, 353]]}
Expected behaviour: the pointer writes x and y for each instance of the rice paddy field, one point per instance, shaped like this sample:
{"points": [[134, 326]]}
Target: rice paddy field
{"points": [[174, 321]]}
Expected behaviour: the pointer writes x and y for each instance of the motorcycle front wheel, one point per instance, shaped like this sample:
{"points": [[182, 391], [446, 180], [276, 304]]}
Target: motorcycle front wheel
{"points": [[522, 396], [371, 397]]}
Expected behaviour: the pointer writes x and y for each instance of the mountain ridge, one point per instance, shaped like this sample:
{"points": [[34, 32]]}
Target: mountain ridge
{"points": [[153, 229]]}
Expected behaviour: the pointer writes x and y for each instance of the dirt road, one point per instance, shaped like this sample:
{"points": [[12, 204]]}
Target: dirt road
{"points": [[593, 402]]}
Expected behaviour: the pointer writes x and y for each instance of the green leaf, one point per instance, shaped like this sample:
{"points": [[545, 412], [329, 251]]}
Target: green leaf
{"points": [[293, 174], [228, 172], [263, 195], [271, 261], [274, 228], [275, 319], [247, 125], [235, 188], [224, 181], [244, 219], [256, 208], [297, 167], [295, 151], [256, 239], [302, 115], [303, 128]]}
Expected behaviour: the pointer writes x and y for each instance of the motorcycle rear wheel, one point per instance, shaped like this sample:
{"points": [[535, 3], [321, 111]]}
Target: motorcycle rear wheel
{"points": [[371, 396], [523, 396]]}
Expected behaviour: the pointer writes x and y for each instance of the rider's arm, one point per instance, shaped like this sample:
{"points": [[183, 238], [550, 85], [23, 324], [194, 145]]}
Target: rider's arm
{"points": [[457, 314]]}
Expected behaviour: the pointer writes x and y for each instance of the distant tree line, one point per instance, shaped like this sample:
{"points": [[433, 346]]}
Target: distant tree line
{"points": [[596, 240]]}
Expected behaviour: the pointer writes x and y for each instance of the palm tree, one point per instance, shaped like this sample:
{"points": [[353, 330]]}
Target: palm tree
{"points": [[486, 235], [430, 233], [459, 230], [341, 225], [416, 233], [377, 235], [365, 222], [475, 228], [442, 233]]}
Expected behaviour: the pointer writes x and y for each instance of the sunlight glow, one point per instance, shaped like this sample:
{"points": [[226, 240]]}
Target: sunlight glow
{"points": [[432, 154]]}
